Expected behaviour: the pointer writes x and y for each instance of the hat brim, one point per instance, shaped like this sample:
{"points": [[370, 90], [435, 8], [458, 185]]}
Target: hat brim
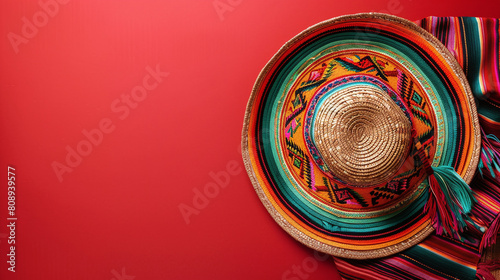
{"points": [[460, 146]]}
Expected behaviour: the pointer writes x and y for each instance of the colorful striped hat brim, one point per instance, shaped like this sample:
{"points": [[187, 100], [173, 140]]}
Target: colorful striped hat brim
{"points": [[352, 131]]}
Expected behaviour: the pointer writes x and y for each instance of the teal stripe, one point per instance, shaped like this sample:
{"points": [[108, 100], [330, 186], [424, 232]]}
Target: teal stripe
{"points": [[473, 51], [428, 259]]}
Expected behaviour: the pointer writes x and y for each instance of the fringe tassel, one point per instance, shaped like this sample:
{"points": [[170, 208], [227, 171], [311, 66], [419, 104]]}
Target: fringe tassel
{"points": [[450, 202], [451, 198], [490, 236], [490, 154], [483, 270], [490, 161]]}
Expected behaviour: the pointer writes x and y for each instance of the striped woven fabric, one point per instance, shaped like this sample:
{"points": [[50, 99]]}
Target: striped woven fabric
{"points": [[475, 44], [435, 258]]}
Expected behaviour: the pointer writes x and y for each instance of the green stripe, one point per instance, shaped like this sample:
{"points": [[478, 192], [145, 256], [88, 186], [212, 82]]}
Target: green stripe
{"points": [[472, 36]]}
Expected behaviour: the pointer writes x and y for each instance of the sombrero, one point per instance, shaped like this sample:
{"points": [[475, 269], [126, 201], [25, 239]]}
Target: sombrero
{"points": [[361, 135]]}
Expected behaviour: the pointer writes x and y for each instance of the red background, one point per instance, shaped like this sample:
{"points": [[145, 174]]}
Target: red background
{"points": [[116, 215]]}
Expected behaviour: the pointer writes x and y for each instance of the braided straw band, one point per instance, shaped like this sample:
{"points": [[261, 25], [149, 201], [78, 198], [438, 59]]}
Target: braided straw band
{"points": [[362, 135]]}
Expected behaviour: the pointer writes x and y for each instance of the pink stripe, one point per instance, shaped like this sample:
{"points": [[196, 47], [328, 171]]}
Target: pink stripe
{"points": [[433, 25], [451, 37], [483, 70], [495, 57]]}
